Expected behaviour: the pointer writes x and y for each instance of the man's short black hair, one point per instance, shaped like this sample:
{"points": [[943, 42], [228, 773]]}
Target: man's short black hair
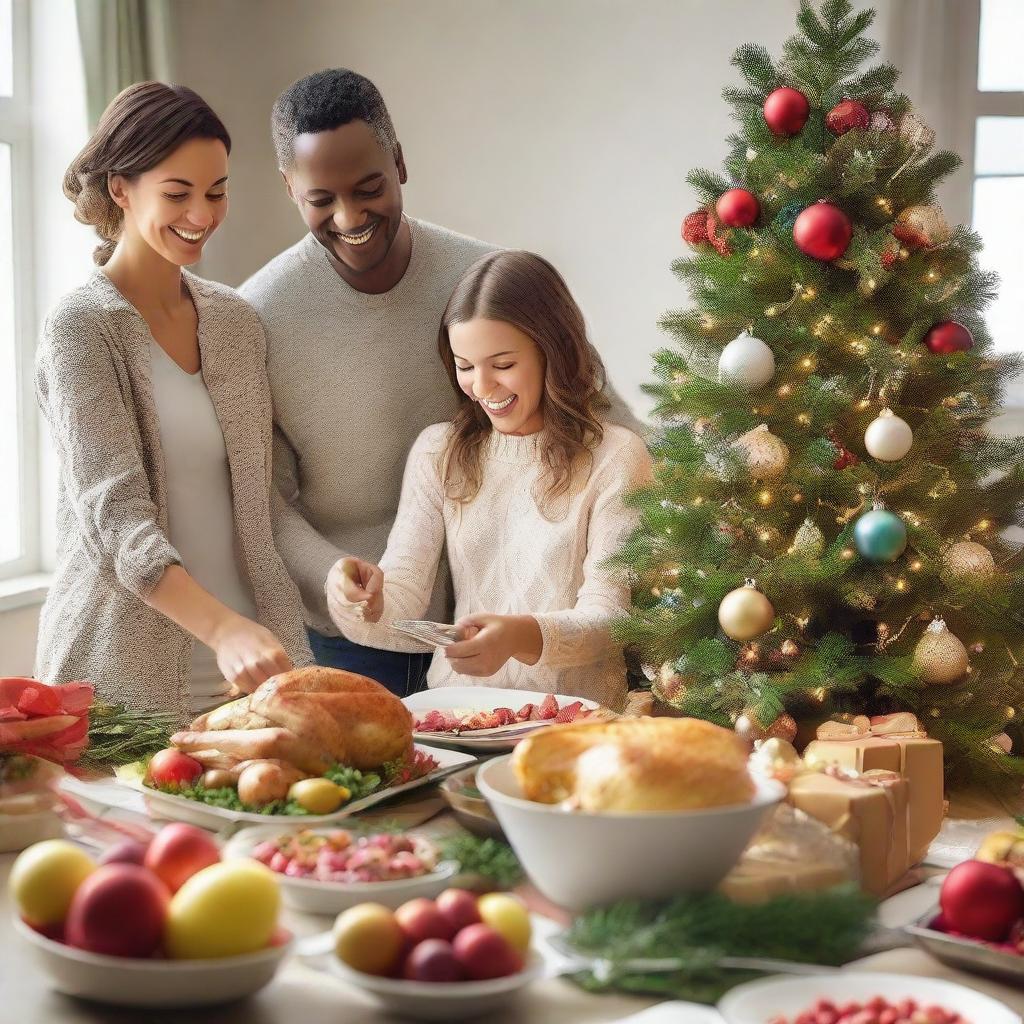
{"points": [[324, 101]]}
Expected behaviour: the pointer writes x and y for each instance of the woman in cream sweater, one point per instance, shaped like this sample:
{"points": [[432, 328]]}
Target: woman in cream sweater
{"points": [[524, 489], [153, 381]]}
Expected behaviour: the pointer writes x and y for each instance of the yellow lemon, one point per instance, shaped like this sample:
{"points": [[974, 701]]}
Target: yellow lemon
{"points": [[226, 909], [507, 915], [45, 877], [318, 796]]}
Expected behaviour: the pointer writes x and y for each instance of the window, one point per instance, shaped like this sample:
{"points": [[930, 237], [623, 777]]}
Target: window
{"points": [[18, 497], [998, 200]]}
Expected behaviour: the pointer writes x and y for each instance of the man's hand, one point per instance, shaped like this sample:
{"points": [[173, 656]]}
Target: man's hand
{"points": [[355, 583], [490, 640]]}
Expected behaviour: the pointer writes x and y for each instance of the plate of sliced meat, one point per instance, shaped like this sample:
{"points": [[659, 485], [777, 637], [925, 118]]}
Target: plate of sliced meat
{"points": [[491, 719]]}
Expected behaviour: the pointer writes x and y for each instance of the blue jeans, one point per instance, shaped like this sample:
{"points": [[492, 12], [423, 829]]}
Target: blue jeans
{"points": [[401, 673]]}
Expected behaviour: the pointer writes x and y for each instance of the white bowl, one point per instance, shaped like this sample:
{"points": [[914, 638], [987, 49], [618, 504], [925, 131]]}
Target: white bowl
{"points": [[579, 860], [760, 1001], [126, 981], [441, 1000], [313, 896]]}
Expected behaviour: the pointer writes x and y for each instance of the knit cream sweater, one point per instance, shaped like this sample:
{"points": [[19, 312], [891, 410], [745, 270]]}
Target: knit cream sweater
{"points": [[511, 556]]}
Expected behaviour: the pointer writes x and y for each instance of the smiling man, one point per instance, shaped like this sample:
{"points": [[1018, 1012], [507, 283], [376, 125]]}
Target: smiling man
{"points": [[352, 313]]}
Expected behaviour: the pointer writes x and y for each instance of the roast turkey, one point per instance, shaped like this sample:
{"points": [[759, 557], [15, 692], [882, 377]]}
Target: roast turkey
{"points": [[311, 718]]}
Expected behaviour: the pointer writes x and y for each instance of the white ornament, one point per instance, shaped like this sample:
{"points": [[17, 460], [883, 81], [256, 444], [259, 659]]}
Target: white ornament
{"points": [[889, 437], [765, 455], [746, 362], [751, 154]]}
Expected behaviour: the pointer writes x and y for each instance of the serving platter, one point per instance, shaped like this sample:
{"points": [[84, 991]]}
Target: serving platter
{"points": [[470, 699], [966, 954], [180, 808]]}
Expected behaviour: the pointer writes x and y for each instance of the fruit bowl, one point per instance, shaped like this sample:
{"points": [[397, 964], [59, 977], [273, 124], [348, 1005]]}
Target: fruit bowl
{"points": [[649, 855], [433, 1000], [759, 1001], [151, 982]]}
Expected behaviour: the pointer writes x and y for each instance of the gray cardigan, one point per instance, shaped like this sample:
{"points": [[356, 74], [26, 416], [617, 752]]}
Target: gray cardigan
{"points": [[94, 388]]}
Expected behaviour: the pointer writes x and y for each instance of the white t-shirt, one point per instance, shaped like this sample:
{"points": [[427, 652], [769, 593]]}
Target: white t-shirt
{"points": [[199, 506]]}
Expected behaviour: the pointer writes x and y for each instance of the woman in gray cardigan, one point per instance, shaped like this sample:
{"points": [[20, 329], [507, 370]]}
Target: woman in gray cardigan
{"points": [[154, 385]]}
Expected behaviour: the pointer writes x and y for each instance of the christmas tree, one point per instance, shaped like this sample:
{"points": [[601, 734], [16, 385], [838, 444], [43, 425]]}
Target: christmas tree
{"points": [[822, 537]]}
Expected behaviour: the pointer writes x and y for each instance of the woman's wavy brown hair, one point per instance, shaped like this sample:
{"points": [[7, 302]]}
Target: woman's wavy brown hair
{"points": [[142, 126], [524, 290]]}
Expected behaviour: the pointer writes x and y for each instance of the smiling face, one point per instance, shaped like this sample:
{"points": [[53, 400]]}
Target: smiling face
{"points": [[502, 368], [176, 206], [349, 192]]}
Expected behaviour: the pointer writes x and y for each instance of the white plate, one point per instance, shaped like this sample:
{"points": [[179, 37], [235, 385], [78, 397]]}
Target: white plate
{"points": [[180, 808], [315, 897], [482, 698], [759, 1001], [441, 1000], [154, 983]]}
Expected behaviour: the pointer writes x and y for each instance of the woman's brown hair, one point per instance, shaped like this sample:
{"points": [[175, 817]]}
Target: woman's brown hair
{"points": [[143, 125], [524, 290]]}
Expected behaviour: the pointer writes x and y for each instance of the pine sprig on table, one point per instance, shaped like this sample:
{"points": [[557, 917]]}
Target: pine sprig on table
{"points": [[825, 927], [119, 735], [489, 858]]}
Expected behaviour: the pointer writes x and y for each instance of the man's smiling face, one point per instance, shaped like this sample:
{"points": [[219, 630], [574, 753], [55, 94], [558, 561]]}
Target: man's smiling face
{"points": [[348, 189]]}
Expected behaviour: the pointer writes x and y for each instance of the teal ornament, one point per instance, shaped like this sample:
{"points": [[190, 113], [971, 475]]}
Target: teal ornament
{"points": [[786, 218], [880, 536]]}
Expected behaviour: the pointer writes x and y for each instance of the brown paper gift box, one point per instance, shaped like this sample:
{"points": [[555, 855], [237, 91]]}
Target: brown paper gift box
{"points": [[918, 760], [872, 814]]}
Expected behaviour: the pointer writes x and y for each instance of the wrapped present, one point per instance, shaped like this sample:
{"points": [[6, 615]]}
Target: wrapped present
{"points": [[871, 810], [890, 743], [792, 852]]}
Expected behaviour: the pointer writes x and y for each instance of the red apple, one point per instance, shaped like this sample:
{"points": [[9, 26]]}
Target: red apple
{"points": [[459, 907], [981, 900], [171, 767], [127, 851], [420, 919], [178, 851], [484, 954], [119, 910], [432, 960]]}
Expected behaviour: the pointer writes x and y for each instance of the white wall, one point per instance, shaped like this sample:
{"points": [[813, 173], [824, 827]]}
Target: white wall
{"points": [[562, 126]]}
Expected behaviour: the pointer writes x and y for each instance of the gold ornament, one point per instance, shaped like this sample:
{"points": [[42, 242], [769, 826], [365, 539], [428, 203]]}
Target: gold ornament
{"points": [[939, 657], [967, 558], [783, 728], [745, 613], [766, 456], [922, 227], [776, 758], [789, 648], [671, 685], [809, 539]]}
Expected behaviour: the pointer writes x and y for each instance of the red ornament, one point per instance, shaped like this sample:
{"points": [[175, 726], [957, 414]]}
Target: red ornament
{"points": [[695, 228], [981, 900], [786, 110], [719, 242], [844, 457], [947, 337], [888, 258], [846, 115], [822, 231], [737, 208]]}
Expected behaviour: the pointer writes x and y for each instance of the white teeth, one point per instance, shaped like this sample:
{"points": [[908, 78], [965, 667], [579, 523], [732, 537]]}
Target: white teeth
{"points": [[189, 236], [498, 406], [358, 239]]}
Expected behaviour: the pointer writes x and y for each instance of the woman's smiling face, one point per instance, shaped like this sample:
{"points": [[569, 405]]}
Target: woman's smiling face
{"points": [[502, 368], [177, 205]]}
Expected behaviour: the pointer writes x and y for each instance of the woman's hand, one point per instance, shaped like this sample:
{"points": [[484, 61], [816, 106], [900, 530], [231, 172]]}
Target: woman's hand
{"points": [[353, 582], [247, 653], [490, 640]]}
